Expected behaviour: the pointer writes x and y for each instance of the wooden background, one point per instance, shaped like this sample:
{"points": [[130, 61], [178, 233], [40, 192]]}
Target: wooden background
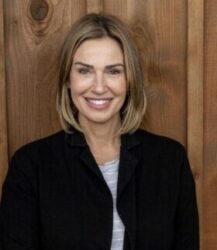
{"points": [[179, 39]]}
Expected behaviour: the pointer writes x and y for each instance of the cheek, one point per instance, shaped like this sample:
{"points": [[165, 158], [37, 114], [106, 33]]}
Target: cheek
{"points": [[75, 89], [121, 88], [77, 86]]}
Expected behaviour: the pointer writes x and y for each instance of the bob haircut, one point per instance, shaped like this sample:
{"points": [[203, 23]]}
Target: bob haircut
{"points": [[95, 26]]}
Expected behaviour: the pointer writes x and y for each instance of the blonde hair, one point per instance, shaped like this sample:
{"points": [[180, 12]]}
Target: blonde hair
{"points": [[93, 26]]}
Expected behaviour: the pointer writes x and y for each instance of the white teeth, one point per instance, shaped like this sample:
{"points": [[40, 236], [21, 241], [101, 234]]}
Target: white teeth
{"points": [[98, 102]]}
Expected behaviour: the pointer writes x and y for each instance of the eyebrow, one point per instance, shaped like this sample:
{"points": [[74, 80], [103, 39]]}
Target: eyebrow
{"points": [[107, 67]]}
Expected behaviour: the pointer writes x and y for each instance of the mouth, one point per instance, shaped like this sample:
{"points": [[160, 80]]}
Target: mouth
{"points": [[100, 103]]}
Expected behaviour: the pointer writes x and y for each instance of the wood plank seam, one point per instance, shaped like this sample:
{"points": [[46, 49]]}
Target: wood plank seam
{"points": [[195, 79], [3, 120]]}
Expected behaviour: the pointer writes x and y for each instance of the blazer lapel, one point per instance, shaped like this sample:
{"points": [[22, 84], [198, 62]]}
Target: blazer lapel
{"points": [[130, 156], [126, 193], [81, 148], [89, 161]]}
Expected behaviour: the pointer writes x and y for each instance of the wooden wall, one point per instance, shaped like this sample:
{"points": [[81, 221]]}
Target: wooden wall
{"points": [[209, 190], [177, 38], [3, 115]]}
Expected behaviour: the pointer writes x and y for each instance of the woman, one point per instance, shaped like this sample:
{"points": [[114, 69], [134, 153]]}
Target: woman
{"points": [[101, 183]]}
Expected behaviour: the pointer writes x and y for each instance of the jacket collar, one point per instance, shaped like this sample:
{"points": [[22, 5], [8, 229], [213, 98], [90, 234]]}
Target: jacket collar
{"points": [[76, 138], [128, 159], [130, 156]]}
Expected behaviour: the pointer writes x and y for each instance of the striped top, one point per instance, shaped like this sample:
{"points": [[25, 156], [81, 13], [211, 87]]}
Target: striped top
{"points": [[110, 174]]}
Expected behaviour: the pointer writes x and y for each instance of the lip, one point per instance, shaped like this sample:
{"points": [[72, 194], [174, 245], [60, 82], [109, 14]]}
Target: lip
{"points": [[98, 103]]}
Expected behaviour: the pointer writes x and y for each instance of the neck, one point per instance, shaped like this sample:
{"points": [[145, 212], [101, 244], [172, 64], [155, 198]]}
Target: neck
{"points": [[98, 134]]}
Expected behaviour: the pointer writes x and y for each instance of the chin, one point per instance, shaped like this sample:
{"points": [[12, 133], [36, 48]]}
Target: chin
{"points": [[100, 119]]}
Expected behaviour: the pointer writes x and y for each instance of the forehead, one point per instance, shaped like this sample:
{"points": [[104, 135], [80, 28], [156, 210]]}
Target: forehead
{"points": [[99, 49]]}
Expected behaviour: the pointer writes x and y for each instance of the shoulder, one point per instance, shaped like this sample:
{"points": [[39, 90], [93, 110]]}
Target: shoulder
{"points": [[35, 156], [162, 153], [41, 147], [156, 140], [159, 145]]}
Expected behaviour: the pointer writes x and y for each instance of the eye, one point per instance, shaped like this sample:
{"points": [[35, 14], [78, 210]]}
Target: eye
{"points": [[83, 71], [114, 71]]}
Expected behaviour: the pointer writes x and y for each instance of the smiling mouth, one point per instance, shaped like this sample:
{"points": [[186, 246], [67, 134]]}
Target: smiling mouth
{"points": [[98, 103]]}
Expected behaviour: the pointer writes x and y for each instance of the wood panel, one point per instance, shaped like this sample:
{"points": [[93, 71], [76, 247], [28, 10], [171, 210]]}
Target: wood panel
{"points": [[195, 95], [95, 6], [34, 34], [3, 125], [166, 22], [154, 27], [210, 129]]}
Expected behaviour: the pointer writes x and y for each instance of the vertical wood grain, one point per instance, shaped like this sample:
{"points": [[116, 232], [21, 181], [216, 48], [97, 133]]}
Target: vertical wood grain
{"points": [[195, 94], [3, 123], [94, 6], [118, 8], [210, 128], [161, 26], [35, 31]]}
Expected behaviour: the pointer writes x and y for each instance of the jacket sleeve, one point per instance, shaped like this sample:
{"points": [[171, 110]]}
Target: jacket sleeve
{"points": [[18, 209], [186, 220]]}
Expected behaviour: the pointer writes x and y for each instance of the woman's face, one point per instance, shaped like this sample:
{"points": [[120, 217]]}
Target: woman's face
{"points": [[98, 81]]}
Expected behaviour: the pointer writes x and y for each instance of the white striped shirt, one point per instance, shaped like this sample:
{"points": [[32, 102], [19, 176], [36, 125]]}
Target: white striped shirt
{"points": [[110, 174]]}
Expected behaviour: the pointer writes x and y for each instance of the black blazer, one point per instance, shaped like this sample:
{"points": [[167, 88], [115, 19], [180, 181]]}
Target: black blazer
{"points": [[55, 197]]}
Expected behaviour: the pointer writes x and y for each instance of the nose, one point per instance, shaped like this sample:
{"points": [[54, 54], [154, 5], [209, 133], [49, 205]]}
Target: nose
{"points": [[99, 84]]}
